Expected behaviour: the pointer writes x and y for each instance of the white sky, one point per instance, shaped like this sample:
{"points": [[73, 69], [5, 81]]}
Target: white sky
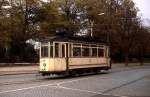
{"points": [[144, 7]]}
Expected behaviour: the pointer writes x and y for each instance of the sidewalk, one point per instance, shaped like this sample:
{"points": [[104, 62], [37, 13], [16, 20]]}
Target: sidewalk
{"points": [[18, 70], [14, 70], [121, 65]]}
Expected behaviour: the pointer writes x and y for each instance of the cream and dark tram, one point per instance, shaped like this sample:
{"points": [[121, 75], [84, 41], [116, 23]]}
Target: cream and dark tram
{"points": [[62, 54]]}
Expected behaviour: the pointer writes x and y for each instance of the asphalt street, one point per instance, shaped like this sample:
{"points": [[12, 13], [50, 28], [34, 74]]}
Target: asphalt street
{"points": [[117, 82]]}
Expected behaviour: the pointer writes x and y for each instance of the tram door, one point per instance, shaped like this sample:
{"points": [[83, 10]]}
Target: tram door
{"points": [[60, 57]]}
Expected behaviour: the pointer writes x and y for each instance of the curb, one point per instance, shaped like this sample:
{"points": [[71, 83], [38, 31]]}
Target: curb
{"points": [[19, 73]]}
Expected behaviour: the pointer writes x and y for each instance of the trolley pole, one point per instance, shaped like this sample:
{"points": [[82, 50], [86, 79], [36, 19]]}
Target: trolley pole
{"points": [[109, 31], [109, 13]]}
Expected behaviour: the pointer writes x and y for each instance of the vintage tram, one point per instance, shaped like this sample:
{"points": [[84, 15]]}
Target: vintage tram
{"points": [[62, 54]]}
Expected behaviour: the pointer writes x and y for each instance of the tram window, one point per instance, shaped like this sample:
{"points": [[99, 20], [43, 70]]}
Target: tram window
{"points": [[94, 52], [63, 50], [44, 51], [100, 52], [69, 50], [85, 45], [51, 51], [85, 52], [76, 51], [56, 50]]}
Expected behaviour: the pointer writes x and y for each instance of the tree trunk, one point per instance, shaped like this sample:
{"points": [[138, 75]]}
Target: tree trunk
{"points": [[141, 61], [126, 60], [6, 53], [141, 56]]}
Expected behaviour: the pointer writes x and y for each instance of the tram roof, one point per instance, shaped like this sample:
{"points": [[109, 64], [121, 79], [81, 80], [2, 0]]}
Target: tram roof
{"points": [[74, 39]]}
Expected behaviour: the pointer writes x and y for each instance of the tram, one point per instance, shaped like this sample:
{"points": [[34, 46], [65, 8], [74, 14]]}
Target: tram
{"points": [[62, 54]]}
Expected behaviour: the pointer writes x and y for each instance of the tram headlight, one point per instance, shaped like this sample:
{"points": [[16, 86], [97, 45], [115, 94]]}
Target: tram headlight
{"points": [[44, 64]]}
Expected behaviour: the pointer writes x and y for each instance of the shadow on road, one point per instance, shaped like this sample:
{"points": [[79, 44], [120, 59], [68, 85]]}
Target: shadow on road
{"points": [[77, 75]]}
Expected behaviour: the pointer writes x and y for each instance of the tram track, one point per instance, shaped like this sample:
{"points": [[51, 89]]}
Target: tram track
{"points": [[46, 79], [63, 84], [122, 85]]}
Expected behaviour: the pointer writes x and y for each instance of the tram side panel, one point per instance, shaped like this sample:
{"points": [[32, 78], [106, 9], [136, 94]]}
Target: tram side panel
{"points": [[76, 63], [60, 64]]}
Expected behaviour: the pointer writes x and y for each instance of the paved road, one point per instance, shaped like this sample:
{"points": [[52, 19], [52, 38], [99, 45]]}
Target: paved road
{"points": [[120, 82]]}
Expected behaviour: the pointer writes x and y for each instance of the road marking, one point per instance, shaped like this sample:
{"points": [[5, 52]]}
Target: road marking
{"points": [[59, 83], [116, 95], [64, 82], [67, 88], [79, 90], [27, 88]]}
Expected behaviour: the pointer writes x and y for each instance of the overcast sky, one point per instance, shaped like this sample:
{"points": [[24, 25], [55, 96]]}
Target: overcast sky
{"points": [[144, 6]]}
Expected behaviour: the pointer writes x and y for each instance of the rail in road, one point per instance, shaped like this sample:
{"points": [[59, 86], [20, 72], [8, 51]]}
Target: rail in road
{"points": [[39, 78], [73, 83], [69, 80]]}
